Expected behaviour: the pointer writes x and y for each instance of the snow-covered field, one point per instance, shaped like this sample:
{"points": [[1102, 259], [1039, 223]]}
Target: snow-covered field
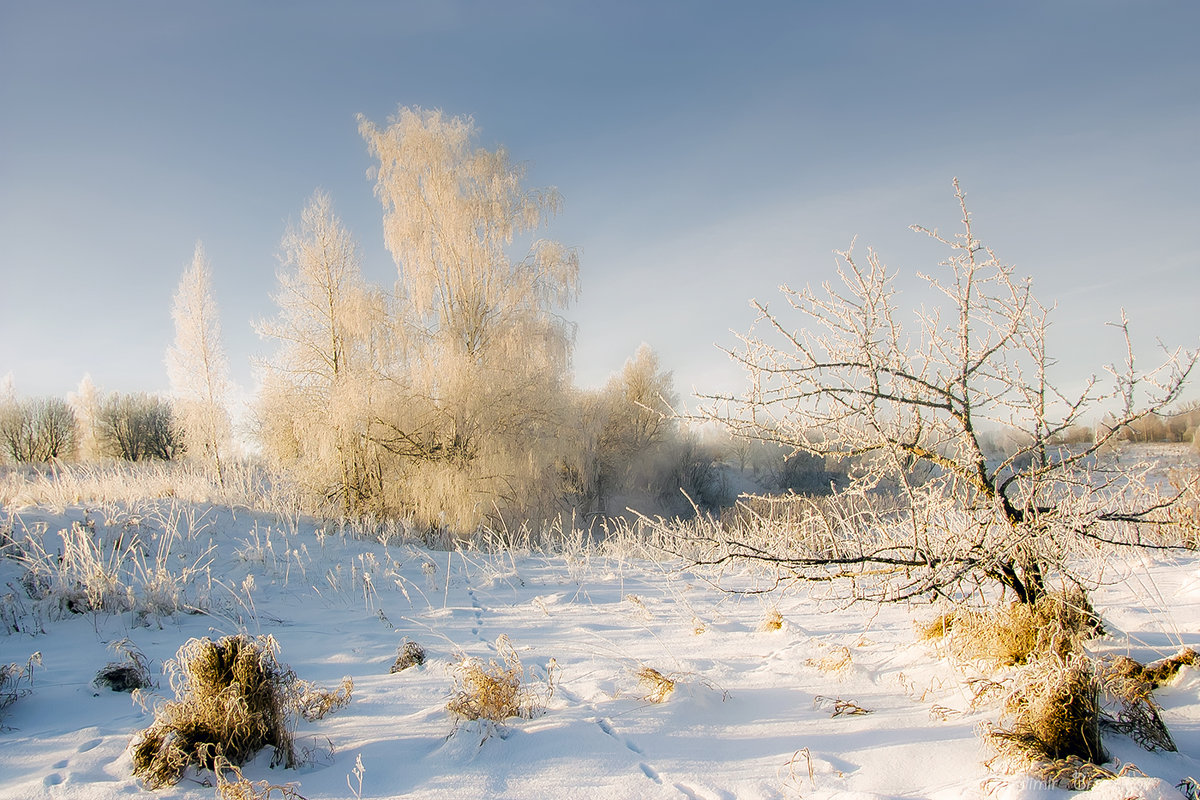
{"points": [[751, 716]]}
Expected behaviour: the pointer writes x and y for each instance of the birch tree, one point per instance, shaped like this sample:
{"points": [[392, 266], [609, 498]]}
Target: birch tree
{"points": [[197, 367], [927, 507], [487, 352], [85, 403], [320, 384]]}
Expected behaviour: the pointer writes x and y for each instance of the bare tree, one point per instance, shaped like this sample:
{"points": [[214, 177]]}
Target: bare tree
{"points": [[38, 430], [909, 412], [197, 367], [139, 427]]}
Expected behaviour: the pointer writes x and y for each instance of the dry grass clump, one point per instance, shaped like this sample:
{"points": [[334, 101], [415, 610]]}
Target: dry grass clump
{"points": [[1053, 714], [1076, 774], [314, 702], [839, 707], [1159, 672], [1011, 634], [657, 685], [128, 675], [936, 628], [497, 690], [409, 655], [233, 698], [773, 621]]}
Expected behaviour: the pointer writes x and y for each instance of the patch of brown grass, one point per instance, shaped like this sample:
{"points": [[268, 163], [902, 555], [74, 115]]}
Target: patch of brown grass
{"points": [[936, 628], [1012, 634], [835, 659], [1159, 672]]}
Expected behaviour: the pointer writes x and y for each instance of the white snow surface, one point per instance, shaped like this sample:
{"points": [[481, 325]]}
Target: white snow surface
{"points": [[750, 716]]}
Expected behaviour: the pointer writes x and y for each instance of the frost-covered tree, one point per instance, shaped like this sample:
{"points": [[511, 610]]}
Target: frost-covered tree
{"points": [[486, 352], [85, 402], [320, 384], [637, 424], [927, 507], [631, 451], [197, 367]]}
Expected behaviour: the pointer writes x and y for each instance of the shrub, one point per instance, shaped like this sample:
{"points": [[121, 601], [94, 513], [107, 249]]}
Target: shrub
{"points": [[233, 698]]}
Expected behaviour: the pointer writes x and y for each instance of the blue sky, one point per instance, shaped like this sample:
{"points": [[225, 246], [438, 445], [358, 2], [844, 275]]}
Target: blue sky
{"points": [[706, 152]]}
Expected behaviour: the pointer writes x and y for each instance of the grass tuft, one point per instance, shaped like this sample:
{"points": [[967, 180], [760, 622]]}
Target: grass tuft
{"points": [[232, 785], [773, 621], [314, 702], [12, 676], [128, 675], [1076, 774], [835, 659]]}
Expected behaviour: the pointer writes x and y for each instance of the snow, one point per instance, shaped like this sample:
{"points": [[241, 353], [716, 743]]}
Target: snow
{"points": [[750, 717]]}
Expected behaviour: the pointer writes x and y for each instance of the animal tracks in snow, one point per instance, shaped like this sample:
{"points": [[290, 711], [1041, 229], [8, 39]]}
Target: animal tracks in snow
{"points": [[477, 610], [647, 770]]}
